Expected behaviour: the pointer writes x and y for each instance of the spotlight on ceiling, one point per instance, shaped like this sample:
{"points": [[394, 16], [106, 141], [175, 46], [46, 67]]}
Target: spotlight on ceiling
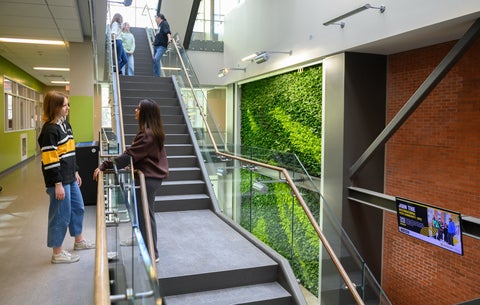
{"points": [[225, 71]]}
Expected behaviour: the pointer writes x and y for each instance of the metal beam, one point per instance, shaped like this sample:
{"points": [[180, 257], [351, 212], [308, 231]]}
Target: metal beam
{"points": [[419, 96], [470, 225]]}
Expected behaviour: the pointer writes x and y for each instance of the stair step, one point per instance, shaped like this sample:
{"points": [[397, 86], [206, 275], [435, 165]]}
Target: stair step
{"points": [[184, 173], [266, 293], [182, 187], [187, 266], [175, 203], [182, 161]]}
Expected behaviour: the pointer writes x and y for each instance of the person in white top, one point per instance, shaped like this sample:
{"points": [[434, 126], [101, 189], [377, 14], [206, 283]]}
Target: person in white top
{"points": [[116, 31]]}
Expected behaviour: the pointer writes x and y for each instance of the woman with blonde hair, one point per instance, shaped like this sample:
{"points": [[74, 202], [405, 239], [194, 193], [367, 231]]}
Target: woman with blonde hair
{"points": [[129, 46], [60, 173]]}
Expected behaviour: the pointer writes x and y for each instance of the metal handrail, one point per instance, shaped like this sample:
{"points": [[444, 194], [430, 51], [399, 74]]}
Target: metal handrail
{"points": [[117, 88], [351, 286]]}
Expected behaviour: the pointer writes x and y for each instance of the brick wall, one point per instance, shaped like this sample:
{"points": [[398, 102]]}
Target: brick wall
{"points": [[433, 158]]}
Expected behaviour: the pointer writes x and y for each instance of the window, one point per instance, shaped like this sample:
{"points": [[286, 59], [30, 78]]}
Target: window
{"points": [[208, 28], [19, 106]]}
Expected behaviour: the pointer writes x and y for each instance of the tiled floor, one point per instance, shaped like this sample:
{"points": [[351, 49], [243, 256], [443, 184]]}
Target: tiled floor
{"points": [[26, 274]]}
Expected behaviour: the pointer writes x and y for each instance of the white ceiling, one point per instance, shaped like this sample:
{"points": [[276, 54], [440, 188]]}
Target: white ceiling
{"points": [[65, 20]]}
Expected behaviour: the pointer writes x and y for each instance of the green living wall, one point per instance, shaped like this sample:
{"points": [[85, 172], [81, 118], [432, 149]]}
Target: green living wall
{"points": [[284, 113], [276, 218]]}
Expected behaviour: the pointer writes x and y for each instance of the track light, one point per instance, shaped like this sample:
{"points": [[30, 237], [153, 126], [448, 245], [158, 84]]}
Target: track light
{"points": [[222, 171], [260, 187], [353, 12], [225, 71], [261, 57]]}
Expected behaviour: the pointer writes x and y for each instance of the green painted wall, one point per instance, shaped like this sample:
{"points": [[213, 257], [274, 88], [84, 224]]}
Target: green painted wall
{"points": [[81, 118], [10, 142]]}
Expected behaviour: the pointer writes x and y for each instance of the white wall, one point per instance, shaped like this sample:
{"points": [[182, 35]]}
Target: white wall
{"points": [[283, 25]]}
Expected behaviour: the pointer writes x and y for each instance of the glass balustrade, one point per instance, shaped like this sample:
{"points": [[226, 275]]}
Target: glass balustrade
{"points": [[132, 276]]}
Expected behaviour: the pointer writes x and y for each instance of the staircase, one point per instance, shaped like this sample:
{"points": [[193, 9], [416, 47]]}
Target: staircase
{"points": [[205, 258]]}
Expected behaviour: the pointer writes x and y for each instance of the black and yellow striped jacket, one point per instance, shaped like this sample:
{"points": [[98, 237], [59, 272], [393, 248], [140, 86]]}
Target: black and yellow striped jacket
{"points": [[58, 153]]}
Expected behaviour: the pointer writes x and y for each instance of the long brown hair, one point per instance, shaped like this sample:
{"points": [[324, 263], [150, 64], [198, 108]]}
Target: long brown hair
{"points": [[149, 116], [52, 103], [117, 18]]}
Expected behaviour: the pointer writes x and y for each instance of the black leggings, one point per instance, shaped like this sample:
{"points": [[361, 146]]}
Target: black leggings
{"points": [[152, 187]]}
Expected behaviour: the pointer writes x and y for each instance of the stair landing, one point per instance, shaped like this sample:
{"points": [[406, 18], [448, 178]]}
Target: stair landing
{"points": [[182, 237]]}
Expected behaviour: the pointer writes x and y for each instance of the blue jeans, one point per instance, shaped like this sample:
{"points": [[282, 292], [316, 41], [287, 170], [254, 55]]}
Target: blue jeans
{"points": [[130, 66], [157, 65], [121, 54], [63, 214]]}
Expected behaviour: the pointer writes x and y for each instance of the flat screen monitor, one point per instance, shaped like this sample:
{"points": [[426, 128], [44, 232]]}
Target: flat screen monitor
{"points": [[434, 225]]}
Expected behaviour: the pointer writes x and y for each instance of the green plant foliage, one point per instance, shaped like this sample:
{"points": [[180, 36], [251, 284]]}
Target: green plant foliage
{"points": [[284, 113], [277, 219]]}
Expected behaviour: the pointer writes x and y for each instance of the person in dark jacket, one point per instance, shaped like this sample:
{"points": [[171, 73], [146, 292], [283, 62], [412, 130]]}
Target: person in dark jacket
{"points": [[148, 155], [451, 231], [61, 178], [162, 39]]}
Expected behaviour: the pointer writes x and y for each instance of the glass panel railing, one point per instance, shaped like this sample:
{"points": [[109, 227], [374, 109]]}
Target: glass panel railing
{"points": [[132, 275], [260, 199], [270, 194]]}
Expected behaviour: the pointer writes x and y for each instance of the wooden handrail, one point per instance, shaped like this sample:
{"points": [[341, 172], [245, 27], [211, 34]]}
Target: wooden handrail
{"points": [[101, 294], [146, 215]]}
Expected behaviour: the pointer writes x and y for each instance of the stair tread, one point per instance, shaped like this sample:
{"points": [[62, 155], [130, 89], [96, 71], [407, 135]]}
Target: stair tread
{"points": [[184, 235], [181, 156], [172, 182], [181, 197], [166, 144], [235, 295], [178, 169]]}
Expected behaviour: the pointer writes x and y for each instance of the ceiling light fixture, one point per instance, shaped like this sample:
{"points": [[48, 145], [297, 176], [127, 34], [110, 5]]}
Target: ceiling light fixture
{"points": [[353, 12], [51, 69], [263, 56], [32, 41], [225, 71], [60, 82]]}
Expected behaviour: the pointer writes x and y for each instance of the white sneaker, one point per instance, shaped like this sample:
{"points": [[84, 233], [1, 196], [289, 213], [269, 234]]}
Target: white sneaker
{"points": [[64, 257], [83, 245]]}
